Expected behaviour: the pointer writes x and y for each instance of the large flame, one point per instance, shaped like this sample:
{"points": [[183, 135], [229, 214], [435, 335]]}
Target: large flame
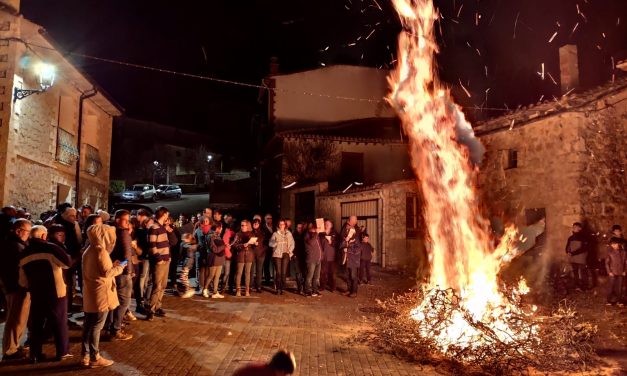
{"points": [[461, 254]]}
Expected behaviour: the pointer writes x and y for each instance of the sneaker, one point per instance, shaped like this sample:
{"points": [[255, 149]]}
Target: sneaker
{"points": [[315, 294], [37, 359], [188, 294], [129, 316], [217, 296], [609, 304], [85, 361], [64, 357], [100, 362], [205, 293], [352, 295], [621, 304], [140, 309], [121, 336], [238, 293], [150, 316], [160, 312]]}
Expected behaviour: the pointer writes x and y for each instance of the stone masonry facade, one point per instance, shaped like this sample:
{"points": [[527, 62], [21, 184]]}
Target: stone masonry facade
{"points": [[39, 134], [566, 157]]}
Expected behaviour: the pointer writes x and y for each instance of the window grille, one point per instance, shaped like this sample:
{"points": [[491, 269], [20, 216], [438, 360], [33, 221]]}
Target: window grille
{"points": [[66, 147]]}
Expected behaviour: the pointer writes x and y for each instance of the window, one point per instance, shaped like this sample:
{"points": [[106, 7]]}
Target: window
{"points": [[512, 159], [413, 216], [66, 147], [92, 160]]}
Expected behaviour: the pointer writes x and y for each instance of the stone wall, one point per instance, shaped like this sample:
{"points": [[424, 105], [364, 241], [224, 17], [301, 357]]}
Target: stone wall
{"points": [[29, 164], [570, 163], [397, 252]]}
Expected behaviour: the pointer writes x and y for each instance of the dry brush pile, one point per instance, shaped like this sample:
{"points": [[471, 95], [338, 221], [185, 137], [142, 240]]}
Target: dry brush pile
{"points": [[556, 341]]}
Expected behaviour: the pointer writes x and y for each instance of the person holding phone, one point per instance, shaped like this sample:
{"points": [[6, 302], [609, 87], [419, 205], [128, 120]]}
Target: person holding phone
{"points": [[122, 252]]}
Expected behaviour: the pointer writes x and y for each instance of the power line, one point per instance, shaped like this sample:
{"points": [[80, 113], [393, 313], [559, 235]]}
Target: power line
{"points": [[214, 79]]}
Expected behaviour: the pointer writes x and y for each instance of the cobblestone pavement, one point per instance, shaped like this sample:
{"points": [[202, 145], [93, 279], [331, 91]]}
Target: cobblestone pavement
{"points": [[208, 337]]}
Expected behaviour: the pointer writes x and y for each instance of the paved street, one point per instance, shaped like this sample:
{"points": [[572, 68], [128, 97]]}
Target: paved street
{"points": [[204, 337]]}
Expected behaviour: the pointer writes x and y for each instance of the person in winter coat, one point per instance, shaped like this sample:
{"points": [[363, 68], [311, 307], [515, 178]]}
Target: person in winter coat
{"points": [[141, 285], [577, 250], [73, 243], [245, 256], [366, 257], [228, 238], [188, 251], [216, 259], [616, 267], [41, 271], [313, 257], [351, 235], [282, 244], [202, 235], [330, 240], [122, 251], [299, 258], [17, 297], [260, 252], [99, 290]]}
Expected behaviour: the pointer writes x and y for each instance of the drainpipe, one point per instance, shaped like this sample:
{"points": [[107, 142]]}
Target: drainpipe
{"points": [[85, 95]]}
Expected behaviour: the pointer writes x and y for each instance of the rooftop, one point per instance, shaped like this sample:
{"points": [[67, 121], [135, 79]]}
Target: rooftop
{"points": [[575, 101]]}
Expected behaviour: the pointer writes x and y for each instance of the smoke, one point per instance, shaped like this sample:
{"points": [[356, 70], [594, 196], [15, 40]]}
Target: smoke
{"points": [[466, 136]]}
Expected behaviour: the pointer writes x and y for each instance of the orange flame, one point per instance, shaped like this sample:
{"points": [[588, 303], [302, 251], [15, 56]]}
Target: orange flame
{"points": [[461, 253]]}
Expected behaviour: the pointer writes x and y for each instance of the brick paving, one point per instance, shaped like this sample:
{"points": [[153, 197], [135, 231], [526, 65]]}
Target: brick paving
{"points": [[202, 337]]}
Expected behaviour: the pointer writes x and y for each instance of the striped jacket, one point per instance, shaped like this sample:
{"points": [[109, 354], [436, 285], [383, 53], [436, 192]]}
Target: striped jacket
{"points": [[159, 241]]}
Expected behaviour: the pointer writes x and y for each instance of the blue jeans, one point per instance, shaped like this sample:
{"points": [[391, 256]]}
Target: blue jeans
{"points": [[312, 282], [93, 324], [124, 286], [615, 289]]}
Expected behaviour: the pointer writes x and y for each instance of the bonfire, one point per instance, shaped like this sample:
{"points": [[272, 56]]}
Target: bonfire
{"points": [[464, 312]]}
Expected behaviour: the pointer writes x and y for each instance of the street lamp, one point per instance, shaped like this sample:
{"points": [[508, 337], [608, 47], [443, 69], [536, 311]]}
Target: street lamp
{"points": [[209, 157], [154, 172], [45, 73]]}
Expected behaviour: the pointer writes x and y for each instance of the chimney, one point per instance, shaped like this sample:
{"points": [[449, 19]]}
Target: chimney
{"points": [[274, 66], [569, 68]]}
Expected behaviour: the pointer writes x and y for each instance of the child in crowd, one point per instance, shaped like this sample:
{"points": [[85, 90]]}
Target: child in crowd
{"points": [[616, 266], [366, 257], [188, 252]]}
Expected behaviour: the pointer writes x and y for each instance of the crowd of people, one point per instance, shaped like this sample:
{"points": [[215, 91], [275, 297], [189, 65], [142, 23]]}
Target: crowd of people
{"points": [[584, 262], [113, 259]]}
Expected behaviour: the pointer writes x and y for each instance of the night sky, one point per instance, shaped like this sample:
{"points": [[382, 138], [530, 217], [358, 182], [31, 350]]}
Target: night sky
{"points": [[234, 40]]}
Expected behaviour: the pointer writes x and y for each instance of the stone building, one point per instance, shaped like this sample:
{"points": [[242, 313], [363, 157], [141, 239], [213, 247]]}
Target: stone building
{"points": [[562, 159], [48, 138], [328, 173]]}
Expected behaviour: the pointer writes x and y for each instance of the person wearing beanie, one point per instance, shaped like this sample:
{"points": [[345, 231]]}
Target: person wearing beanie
{"points": [[282, 363]]}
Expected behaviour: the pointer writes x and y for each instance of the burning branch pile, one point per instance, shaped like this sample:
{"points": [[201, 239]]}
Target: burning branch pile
{"points": [[557, 342]]}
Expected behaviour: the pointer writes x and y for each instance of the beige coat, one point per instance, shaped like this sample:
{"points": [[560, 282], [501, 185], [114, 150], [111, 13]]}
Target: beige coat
{"points": [[99, 290]]}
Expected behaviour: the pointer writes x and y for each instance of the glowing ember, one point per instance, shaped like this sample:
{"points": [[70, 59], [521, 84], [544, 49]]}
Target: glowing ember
{"points": [[464, 264]]}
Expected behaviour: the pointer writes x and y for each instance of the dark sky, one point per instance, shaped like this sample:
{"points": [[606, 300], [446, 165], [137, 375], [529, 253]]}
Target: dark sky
{"points": [[239, 37]]}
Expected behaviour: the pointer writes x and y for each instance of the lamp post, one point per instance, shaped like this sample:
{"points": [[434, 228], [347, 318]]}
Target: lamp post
{"points": [[45, 73]]}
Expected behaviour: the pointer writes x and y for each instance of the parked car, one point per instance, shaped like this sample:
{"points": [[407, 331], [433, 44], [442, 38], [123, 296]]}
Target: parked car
{"points": [[130, 206], [140, 192], [169, 191]]}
